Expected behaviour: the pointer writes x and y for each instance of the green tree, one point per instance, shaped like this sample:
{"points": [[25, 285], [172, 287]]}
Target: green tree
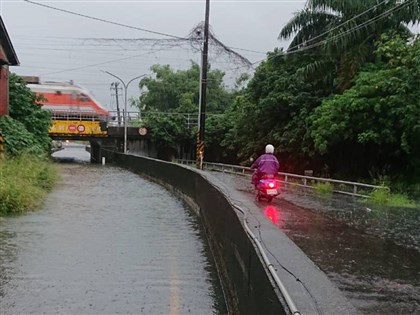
{"points": [[343, 33], [178, 91], [374, 127], [26, 128], [170, 102], [273, 109]]}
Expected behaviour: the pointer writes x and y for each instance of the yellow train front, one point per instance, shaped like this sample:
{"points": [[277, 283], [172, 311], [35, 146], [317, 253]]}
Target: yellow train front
{"points": [[75, 113], [77, 129]]}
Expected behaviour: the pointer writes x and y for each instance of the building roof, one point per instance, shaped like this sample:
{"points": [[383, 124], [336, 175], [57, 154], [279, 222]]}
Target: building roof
{"points": [[7, 45]]}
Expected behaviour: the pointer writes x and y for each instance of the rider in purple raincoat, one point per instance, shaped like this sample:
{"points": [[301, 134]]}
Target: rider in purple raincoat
{"points": [[266, 164]]}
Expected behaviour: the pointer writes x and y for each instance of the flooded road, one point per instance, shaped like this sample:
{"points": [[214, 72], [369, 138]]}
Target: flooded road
{"points": [[106, 241], [377, 275], [375, 272]]}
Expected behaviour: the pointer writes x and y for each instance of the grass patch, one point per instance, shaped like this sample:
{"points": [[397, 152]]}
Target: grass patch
{"points": [[323, 188], [385, 197], [24, 181]]}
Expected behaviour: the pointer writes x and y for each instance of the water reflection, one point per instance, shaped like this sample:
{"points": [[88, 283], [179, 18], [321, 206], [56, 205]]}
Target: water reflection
{"points": [[274, 215], [72, 152], [377, 275], [340, 235], [401, 225]]}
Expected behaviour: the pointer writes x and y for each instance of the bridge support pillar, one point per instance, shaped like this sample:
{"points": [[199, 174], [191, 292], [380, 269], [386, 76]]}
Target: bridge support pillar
{"points": [[95, 152]]}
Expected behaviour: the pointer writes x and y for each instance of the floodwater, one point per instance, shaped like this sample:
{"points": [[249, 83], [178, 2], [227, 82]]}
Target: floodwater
{"points": [[371, 255], [377, 275], [106, 241]]}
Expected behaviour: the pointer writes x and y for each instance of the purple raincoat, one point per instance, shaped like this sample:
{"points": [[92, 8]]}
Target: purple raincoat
{"points": [[266, 164]]}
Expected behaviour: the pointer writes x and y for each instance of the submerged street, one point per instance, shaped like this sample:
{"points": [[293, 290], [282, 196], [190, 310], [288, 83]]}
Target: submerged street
{"points": [[378, 275], [106, 241]]}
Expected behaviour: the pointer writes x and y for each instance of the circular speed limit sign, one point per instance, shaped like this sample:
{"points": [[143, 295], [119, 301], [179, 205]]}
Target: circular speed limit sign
{"points": [[80, 128], [142, 131]]}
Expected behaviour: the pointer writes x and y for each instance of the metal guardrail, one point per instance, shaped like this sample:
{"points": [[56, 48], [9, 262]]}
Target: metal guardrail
{"points": [[136, 118], [338, 186], [77, 115]]}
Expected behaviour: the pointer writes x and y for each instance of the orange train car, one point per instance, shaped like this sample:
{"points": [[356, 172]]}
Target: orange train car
{"points": [[61, 98], [74, 110]]}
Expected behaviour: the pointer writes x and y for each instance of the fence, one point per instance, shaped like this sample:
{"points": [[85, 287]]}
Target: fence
{"points": [[137, 118], [338, 186]]}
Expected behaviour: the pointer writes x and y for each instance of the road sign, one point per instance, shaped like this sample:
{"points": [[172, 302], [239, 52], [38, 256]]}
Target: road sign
{"points": [[80, 128], [71, 128], [142, 131]]}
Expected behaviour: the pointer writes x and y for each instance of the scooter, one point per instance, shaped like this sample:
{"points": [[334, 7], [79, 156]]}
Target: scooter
{"points": [[267, 188]]}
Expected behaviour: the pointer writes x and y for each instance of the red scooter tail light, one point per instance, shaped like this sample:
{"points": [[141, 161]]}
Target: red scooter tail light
{"points": [[271, 185]]}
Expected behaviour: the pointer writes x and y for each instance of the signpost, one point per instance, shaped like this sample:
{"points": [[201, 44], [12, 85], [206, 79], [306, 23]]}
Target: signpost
{"points": [[142, 131]]}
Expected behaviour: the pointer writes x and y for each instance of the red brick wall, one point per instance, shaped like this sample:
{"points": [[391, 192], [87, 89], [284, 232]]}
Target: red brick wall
{"points": [[4, 90]]}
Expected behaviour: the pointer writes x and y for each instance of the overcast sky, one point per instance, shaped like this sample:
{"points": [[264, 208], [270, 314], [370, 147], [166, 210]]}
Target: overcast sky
{"points": [[51, 44]]}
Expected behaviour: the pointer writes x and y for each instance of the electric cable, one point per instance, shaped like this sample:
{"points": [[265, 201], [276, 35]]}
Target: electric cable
{"points": [[104, 20], [340, 25], [227, 48], [375, 19], [99, 64]]}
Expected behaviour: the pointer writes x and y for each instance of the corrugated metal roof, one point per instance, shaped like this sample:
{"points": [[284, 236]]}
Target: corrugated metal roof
{"points": [[6, 43]]}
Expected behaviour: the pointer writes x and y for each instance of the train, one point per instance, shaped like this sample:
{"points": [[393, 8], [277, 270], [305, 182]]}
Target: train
{"points": [[74, 111]]}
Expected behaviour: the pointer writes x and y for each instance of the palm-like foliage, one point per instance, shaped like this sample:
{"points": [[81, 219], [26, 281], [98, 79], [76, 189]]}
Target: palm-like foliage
{"points": [[344, 32]]}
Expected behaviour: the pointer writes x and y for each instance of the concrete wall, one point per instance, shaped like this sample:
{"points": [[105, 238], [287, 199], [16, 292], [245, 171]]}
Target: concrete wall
{"points": [[142, 147], [248, 285]]}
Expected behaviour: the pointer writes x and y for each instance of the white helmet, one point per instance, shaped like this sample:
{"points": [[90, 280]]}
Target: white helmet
{"points": [[269, 149]]}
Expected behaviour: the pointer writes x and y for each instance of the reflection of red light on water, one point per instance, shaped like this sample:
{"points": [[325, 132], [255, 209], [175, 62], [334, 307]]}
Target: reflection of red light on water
{"points": [[273, 214]]}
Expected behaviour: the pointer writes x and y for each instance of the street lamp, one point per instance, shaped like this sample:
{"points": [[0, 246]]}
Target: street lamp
{"points": [[125, 103]]}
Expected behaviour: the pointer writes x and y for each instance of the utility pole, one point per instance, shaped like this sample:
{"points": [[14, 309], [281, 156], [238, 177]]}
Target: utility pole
{"points": [[115, 85], [203, 91]]}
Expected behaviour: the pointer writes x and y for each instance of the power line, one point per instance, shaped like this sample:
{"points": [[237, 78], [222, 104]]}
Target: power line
{"points": [[64, 41], [141, 29], [103, 20], [381, 16], [101, 63], [340, 25], [375, 19]]}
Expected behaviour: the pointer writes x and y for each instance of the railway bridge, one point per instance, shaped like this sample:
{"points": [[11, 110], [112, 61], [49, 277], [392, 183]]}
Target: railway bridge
{"points": [[99, 130]]}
